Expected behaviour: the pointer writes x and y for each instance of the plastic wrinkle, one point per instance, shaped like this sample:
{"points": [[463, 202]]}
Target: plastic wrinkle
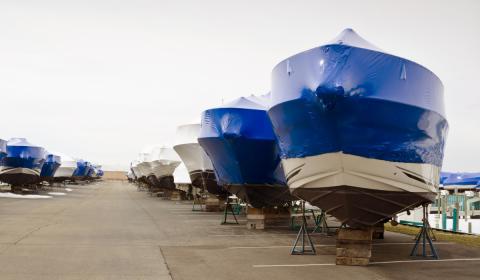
{"points": [[459, 178], [238, 137], [350, 96]]}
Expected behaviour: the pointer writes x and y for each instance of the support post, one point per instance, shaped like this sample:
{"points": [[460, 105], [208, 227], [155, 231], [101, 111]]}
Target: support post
{"points": [[321, 225], [354, 246], [379, 231], [267, 217], [229, 210], [306, 246], [198, 202], [175, 195], [212, 204], [455, 218], [425, 235]]}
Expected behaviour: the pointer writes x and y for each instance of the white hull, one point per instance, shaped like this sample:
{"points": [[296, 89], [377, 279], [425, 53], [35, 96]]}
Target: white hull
{"points": [[64, 171], [339, 169], [162, 168], [136, 172], [19, 170], [360, 191], [144, 169], [181, 175], [194, 157]]}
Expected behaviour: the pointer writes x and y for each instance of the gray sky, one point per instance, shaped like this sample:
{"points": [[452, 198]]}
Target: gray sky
{"points": [[100, 79]]}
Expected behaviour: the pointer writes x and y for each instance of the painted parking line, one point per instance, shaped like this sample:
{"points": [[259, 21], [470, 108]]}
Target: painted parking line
{"points": [[198, 215], [441, 260], [263, 234], [409, 243], [291, 265], [372, 263], [275, 247], [254, 235], [201, 220], [330, 245]]}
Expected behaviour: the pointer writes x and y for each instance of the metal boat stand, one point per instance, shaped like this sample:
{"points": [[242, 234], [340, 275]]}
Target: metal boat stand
{"points": [[425, 234], [199, 200], [140, 187], [320, 223], [299, 246], [229, 211]]}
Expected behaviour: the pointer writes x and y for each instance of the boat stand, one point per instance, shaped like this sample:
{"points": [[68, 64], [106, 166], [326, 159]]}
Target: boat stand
{"points": [[229, 211], [199, 200], [299, 247], [320, 223], [425, 234]]}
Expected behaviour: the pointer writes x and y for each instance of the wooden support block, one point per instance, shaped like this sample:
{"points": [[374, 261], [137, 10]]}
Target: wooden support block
{"points": [[222, 204], [355, 251], [354, 246], [261, 218], [212, 208], [255, 223], [254, 211], [255, 217], [378, 231], [352, 261], [212, 204], [175, 195], [354, 234]]}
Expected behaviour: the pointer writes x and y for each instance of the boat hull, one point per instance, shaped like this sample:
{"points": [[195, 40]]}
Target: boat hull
{"points": [[20, 176], [136, 172], [162, 168], [22, 171], [164, 182], [367, 127], [360, 191], [348, 118], [259, 196], [241, 160], [249, 169], [193, 156], [49, 169], [81, 173], [206, 179], [64, 172], [361, 207], [199, 167]]}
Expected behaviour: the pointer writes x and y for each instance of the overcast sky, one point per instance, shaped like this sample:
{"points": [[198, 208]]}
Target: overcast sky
{"points": [[101, 79]]}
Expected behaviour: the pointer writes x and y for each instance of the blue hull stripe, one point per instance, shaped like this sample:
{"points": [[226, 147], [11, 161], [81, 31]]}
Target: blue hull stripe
{"points": [[49, 169], [244, 161], [242, 146], [360, 101], [366, 127], [24, 156]]}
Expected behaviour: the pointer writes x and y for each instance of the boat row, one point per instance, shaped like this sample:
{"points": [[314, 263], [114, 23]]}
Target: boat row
{"points": [[155, 166], [460, 181], [347, 127], [26, 165]]}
